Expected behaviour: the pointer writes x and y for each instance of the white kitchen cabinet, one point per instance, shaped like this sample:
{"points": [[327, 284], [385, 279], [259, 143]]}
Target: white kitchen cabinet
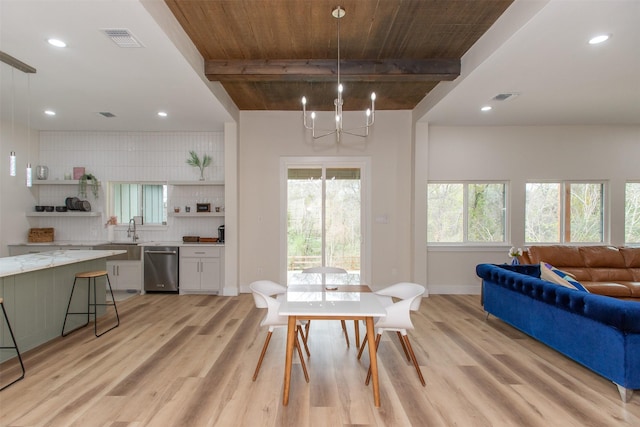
{"points": [[125, 275], [200, 269]]}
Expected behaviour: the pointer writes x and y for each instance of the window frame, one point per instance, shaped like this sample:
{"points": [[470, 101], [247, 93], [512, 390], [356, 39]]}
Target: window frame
{"points": [[124, 222], [465, 221], [626, 242], [565, 217]]}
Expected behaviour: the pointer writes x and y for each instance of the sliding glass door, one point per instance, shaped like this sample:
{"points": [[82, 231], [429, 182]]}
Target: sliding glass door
{"points": [[324, 218]]}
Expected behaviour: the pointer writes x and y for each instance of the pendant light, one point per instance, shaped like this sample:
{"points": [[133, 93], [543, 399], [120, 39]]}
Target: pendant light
{"points": [[12, 155], [29, 176], [362, 131], [12, 163]]}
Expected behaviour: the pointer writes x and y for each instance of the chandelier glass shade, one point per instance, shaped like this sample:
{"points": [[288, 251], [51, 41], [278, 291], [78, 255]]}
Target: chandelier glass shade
{"points": [[309, 120]]}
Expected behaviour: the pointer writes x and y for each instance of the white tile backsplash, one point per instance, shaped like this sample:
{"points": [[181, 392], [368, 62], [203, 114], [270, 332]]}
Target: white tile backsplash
{"points": [[133, 156], [151, 156]]}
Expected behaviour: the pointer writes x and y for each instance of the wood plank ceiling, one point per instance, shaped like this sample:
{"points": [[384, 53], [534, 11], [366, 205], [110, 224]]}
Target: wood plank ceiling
{"points": [[400, 49]]}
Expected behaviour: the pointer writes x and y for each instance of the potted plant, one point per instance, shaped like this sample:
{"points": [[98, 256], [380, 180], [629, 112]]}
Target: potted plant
{"points": [[195, 161], [82, 185]]}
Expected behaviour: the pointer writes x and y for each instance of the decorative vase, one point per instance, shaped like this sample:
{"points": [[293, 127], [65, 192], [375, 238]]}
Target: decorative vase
{"points": [[514, 261], [111, 233], [42, 172], [202, 174]]}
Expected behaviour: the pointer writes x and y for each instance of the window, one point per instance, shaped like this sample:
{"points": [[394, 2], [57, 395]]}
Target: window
{"points": [[632, 212], [564, 212], [134, 199], [466, 212]]}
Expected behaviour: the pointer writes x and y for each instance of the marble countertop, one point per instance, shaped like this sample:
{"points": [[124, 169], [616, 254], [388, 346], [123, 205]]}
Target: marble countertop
{"points": [[63, 243], [180, 244], [94, 244], [19, 264]]}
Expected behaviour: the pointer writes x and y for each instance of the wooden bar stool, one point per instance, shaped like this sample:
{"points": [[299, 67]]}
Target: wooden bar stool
{"points": [[91, 306], [14, 346]]}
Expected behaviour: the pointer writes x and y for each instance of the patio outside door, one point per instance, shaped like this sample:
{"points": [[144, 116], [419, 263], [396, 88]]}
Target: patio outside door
{"points": [[324, 217]]}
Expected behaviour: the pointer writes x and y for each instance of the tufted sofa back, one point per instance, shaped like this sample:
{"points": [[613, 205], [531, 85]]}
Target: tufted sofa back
{"points": [[590, 263]]}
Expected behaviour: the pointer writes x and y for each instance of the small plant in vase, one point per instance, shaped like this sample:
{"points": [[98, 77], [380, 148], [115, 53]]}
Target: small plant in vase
{"points": [[111, 226], [82, 185], [514, 254], [195, 161]]}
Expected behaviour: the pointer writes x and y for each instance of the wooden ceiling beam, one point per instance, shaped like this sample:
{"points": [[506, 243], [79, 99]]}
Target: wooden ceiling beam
{"points": [[322, 70]]}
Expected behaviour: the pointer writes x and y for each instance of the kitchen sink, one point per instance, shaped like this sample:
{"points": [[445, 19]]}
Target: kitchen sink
{"points": [[134, 252]]}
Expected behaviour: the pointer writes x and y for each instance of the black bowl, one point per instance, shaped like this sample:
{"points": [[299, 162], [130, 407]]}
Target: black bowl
{"points": [[39, 208], [48, 208], [61, 208]]}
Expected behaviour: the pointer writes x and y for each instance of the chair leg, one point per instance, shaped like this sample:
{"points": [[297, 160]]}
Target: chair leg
{"points": [[66, 315], [304, 366], [404, 347], [95, 306], [364, 343], [264, 350], [15, 346], [306, 330], [344, 329], [356, 328], [306, 347], [413, 358], [369, 371]]}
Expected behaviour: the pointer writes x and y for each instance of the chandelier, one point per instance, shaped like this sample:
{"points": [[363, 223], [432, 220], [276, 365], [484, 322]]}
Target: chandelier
{"points": [[362, 131]]}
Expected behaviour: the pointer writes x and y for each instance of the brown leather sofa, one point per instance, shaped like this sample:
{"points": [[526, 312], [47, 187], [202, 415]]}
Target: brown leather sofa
{"points": [[605, 270]]}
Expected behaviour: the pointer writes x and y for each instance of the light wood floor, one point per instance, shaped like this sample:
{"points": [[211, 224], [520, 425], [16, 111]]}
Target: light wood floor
{"points": [[188, 361]]}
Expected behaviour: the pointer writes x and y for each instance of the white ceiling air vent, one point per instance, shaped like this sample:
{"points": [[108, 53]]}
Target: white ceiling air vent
{"points": [[122, 37], [505, 96], [106, 114]]}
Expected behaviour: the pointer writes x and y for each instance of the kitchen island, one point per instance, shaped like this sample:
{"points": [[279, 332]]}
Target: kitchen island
{"points": [[36, 289]]}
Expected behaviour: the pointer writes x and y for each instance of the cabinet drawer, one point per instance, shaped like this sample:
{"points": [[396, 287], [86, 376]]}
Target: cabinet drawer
{"points": [[200, 252]]}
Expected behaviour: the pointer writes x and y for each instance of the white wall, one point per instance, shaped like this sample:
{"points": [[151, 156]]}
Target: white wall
{"points": [[517, 155], [266, 137]]}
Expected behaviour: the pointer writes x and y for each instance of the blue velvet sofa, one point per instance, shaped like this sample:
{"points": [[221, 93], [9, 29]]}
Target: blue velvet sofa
{"points": [[599, 332]]}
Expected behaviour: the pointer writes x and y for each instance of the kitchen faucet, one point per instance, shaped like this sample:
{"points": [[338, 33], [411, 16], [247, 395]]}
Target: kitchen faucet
{"points": [[129, 230]]}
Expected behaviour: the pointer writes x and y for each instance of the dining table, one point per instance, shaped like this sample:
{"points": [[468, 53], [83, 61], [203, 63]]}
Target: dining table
{"points": [[330, 302]]}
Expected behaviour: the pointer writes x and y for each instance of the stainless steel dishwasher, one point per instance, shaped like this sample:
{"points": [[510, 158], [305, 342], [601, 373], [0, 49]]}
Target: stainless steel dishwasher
{"points": [[161, 268]]}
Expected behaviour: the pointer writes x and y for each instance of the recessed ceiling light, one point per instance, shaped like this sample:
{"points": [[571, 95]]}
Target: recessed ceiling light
{"points": [[162, 114], [57, 43], [486, 108], [50, 112], [599, 38]]}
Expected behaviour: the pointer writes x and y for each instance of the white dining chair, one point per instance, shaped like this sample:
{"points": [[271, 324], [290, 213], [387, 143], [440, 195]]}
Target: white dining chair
{"points": [[399, 301], [322, 270], [263, 295]]}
